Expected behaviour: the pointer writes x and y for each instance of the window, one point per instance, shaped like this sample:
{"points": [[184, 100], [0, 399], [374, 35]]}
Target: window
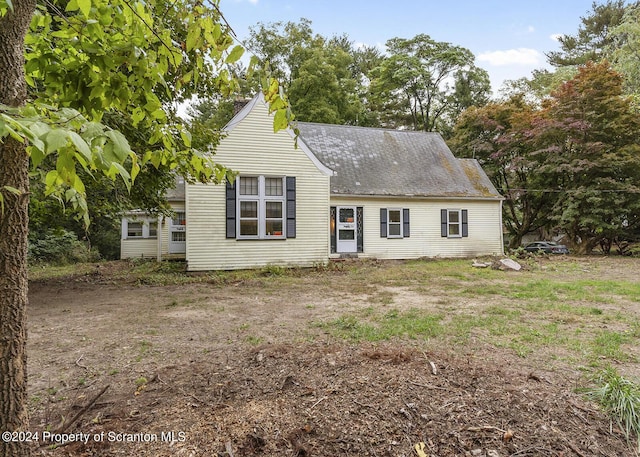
{"points": [[139, 228], [134, 230], [179, 218], [454, 223], [394, 222], [261, 207]]}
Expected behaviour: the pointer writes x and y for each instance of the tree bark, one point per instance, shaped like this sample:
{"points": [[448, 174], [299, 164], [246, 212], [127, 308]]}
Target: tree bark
{"points": [[14, 220]]}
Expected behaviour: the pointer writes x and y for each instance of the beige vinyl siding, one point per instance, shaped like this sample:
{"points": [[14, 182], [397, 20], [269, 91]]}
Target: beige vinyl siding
{"points": [[253, 149], [484, 219], [138, 248]]}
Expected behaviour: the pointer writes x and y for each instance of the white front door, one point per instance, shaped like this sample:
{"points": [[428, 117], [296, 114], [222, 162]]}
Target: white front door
{"points": [[178, 234], [346, 229]]}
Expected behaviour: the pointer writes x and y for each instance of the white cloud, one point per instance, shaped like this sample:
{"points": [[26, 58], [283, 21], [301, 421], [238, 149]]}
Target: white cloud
{"points": [[520, 56], [531, 29]]}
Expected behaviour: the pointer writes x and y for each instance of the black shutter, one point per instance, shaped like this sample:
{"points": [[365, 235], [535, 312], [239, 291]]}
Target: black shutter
{"points": [[405, 223], [291, 207], [383, 222], [231, 209], [465, 223], [332, 228], [359, 229], [443, 223]]}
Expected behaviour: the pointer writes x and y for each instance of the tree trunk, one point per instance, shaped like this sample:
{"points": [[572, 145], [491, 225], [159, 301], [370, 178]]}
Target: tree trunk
{"points": [[14, 220]]}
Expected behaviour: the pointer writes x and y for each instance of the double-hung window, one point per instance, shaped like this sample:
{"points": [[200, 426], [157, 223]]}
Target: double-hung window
{"points": [[261, 207], [454, 223], [394, 222]]}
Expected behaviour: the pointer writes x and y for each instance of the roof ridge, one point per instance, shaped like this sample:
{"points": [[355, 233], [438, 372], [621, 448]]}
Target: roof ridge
{"points": [[384, 129]]}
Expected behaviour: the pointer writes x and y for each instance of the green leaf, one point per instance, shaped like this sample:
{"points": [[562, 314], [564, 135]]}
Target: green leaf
{"points": [[192, 38], [85, 7], [186, 138], [280, 120], [121, 147], [55, 139], [13, 190], [235, 54], [81, 145]]}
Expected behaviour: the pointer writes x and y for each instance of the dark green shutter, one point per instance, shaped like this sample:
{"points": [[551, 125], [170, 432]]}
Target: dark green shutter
{"points": [[465, 223], [359, 229], [332, 228], [291, 207], [405, 223], [383, 222], [231, 209], [443, 223]]}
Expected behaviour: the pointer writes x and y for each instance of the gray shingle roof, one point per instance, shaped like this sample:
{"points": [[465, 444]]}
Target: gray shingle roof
{"points": [[372, 161]]}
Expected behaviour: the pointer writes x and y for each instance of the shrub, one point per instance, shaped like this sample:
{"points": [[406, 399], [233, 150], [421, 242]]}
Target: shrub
{"points": [[59, 247]]}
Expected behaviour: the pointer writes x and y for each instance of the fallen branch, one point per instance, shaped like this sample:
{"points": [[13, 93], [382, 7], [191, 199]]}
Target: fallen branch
{"points": [[485, 428], [574, 448], [78, 363], [65, 425], [428, 386], [318, 402]]}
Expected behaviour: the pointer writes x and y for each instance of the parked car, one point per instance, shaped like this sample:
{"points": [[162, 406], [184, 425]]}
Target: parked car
{"points": [[548, 247]]}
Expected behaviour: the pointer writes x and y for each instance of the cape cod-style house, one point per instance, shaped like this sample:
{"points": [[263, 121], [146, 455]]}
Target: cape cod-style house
{"points": [[342, 191]]}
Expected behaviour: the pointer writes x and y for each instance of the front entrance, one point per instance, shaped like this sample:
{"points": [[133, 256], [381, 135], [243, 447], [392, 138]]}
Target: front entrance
{"points": [[178, 234], [346, 229]]}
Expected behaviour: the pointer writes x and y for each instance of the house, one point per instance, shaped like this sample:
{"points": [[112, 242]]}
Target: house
{"points": [[144, 236], [342, 192]]}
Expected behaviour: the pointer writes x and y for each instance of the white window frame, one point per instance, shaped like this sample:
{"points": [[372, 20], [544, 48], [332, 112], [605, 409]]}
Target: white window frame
{"points": [[145, 228], [389, 223], [262, 199], [449, 223]]}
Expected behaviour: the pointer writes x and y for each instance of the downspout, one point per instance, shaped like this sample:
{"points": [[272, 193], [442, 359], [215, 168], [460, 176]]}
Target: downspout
{"points": [[501, 230]]}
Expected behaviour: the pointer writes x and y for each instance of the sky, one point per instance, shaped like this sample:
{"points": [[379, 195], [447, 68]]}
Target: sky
{"points": [[508, 38]]}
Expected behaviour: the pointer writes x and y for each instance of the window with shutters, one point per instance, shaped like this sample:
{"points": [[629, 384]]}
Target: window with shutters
{"points": [[454, 223], [394, 222], [261, 207]]}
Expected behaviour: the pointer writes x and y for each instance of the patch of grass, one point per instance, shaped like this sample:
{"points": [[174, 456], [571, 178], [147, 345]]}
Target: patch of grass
{"points": [[608, 345], [254, 340], [620, 399], [42, 272], [411, 324]]}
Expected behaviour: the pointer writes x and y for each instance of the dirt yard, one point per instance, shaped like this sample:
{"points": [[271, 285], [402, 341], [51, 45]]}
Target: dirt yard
{"points": [[256, 365]]}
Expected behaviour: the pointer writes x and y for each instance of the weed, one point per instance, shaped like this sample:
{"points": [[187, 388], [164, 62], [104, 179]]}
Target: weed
{"points": [[254, 340], [144, 346], [620, 399]]}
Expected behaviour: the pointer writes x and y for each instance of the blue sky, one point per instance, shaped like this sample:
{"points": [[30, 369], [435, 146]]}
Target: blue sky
{"points": [[508, 38]]}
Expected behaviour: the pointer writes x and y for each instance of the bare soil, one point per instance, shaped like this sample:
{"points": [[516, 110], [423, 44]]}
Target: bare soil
{"points": [[244, 369]]}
